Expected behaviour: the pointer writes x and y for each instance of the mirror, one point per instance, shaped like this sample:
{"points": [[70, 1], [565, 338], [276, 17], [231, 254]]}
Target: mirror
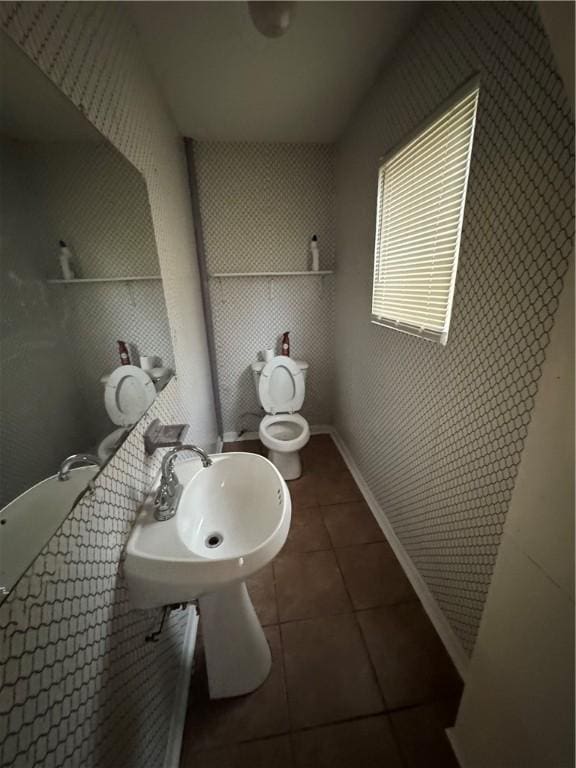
{"points": [[78, 273]]}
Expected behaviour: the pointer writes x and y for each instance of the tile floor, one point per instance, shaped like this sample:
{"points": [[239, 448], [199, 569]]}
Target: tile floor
{"points": [[359, 677]]}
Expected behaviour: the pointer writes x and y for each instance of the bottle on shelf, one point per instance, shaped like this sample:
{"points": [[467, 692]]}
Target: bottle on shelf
{"points": [[314, 250], [123, 352], [66, 258], [286, 344]]}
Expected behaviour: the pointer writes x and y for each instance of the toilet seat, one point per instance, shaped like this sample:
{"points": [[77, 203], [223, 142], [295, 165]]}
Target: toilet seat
{"points": [[281, 386], [284, 432], [128, 394]]}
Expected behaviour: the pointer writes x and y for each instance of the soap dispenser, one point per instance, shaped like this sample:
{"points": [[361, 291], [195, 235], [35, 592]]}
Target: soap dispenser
{"points": [[315, 252]]}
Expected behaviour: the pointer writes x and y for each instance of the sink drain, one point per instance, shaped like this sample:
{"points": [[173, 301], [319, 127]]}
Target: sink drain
{"points": [[213, 540]]}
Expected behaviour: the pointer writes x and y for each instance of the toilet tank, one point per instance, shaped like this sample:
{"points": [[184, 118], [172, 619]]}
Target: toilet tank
{"points": [[259, 365]]}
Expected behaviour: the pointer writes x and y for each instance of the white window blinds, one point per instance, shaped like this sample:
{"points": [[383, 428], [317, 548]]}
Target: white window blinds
{"points": [[421, 193]]}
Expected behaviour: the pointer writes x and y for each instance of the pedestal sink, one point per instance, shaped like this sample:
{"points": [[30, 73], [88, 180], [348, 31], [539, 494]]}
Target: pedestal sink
{"points": [[232, 519]]}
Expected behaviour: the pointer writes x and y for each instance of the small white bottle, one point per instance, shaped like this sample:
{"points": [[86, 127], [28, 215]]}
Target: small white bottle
{"points": [[315, 254], [66, 259]]}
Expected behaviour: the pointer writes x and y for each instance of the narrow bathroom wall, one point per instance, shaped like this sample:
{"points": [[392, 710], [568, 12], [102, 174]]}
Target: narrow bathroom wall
{"points": [[260, 205], [518, 706], [78, 684], [438, 432]]}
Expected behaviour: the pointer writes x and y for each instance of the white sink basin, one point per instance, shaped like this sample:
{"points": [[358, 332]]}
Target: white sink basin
{"points": [[31, 519], [232, 519], [241, 500]]}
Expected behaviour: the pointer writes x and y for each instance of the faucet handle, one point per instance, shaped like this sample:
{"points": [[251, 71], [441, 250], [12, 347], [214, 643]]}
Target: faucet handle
{"points": [[160, 497], [166, 500]]}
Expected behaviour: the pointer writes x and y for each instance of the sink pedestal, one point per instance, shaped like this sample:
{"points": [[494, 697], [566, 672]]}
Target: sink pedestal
{"points": [[238, 658]]}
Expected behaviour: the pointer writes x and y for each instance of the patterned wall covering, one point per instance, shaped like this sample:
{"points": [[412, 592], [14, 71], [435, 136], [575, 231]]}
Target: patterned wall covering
{"points": [[79, 687], [260, 204], [437, 432], [70, 642], [97, 202]]}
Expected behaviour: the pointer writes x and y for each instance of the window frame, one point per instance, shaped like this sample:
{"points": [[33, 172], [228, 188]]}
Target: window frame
{"points": [[467, 89]]}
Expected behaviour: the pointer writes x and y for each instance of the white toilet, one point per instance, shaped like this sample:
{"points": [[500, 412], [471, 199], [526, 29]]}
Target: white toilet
{"points": [[281, 384], [128, 393]]}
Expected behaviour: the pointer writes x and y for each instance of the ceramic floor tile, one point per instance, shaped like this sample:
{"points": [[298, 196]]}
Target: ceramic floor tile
{"points": [[226, 721], [411, 663], [373, 576], [336, 488], [309, 584], [263, 595], [351, 523], [321, 456], [307, 531], [265, 753], [328, 673], [303, 491], [364, 743], [422, 739]]}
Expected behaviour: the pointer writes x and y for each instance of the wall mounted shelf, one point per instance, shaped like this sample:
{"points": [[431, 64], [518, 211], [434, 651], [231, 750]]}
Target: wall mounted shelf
{"points": [[309, 273], [84, 280]]}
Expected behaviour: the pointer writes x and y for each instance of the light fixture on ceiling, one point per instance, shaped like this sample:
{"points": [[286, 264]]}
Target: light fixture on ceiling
{"points": [[271, 19]]}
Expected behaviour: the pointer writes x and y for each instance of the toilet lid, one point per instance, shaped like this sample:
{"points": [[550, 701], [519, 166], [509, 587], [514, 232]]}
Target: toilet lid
{"points": [[281, 386], [128, 394]]}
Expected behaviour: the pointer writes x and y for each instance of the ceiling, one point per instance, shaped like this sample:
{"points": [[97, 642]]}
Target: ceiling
{"points": [[32, 108], [224, 81]]}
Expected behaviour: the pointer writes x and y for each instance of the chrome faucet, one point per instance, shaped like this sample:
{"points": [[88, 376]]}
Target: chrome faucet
{"points": [[74, 460], [169, 491]]}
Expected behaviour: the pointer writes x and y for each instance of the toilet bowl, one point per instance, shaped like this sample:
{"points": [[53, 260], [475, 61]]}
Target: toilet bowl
{"points": [[285, 434], [280, 384]]}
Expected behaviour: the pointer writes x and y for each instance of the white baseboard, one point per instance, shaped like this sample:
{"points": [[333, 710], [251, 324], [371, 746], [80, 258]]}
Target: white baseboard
{"points": [[233, 437], [178, 719], [445, 631]]}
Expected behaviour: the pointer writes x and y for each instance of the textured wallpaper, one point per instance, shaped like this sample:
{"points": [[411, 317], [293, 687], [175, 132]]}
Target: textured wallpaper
{"points": [[438, 432], [260, 204], [78, 686], [97, 202]]}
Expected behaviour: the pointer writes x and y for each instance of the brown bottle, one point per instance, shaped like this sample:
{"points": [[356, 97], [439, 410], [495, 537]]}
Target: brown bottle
{"points": [[286, 344], [123, 351]]}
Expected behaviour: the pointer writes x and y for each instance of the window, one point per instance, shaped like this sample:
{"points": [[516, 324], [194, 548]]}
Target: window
{"points": [[421, 193]]}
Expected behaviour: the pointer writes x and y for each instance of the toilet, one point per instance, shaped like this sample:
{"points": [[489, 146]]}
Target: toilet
{"points": [[128, 393], [280, 384]]}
